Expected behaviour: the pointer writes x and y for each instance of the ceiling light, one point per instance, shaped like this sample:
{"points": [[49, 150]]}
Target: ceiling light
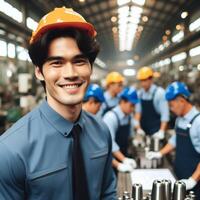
{"points": [[145, 18], [113, 19], [184, 14], [114, 29], [122, 2], [194, 51], [129, 72], [139, 2], [178, 37], [198, 67], [168, 32], [82, 1], [130, 62], [140, 28], [181, 68], [179, 57], [178, 27]]}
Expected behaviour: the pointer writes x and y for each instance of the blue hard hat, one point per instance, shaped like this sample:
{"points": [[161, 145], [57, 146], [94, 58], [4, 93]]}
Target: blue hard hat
{"points": [[175, 89], [94, 91], [130, 94]]}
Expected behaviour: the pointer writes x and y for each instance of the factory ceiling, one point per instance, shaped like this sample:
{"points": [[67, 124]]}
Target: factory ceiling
{"points": [[144, 24]]}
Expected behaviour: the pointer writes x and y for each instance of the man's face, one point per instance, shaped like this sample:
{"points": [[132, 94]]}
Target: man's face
{"points": [[116, 87], [95, 106], [128, 107], [177, 106], [146, 84], [66, 73]]}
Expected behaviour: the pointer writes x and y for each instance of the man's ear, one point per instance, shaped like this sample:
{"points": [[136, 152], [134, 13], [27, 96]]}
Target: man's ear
{"points": [[39, 74]]}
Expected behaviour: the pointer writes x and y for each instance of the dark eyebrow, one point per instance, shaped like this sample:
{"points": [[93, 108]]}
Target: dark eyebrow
{"points": [[80, 56], [51, 58]]}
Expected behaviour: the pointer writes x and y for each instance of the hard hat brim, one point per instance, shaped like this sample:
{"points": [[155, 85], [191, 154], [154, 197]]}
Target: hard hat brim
{"points": [[79, 25]]}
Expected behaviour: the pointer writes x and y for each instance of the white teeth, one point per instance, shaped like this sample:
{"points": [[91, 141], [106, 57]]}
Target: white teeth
{"points": [[71, 86]]}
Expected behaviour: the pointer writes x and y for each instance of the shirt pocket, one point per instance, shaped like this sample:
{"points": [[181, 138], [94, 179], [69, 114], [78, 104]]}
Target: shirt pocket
{"points": [[49, 181], [98, 154]]}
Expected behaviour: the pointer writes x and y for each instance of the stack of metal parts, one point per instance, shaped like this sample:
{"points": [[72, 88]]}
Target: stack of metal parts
{"points": [[161, 190], [147, 144]]}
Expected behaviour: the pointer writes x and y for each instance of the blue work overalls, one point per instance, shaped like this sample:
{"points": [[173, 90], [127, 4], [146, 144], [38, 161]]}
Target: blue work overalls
{"points": [[150, 119], [187, 158], [122, 135]]}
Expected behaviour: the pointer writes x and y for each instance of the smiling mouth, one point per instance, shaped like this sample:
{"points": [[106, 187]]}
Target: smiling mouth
{"points": [[72, 86]]}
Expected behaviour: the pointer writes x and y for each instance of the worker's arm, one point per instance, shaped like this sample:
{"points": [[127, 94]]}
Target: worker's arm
{"points": [[167, 149], [119, 155], [196, 174], [163, 126]]}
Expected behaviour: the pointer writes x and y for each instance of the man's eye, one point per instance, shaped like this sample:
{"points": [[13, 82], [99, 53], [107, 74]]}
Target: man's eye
{"points": [[56, 62], [81, 61]]}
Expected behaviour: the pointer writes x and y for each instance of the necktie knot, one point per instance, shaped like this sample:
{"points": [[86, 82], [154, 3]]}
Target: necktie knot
{"points": [[76, 130]]}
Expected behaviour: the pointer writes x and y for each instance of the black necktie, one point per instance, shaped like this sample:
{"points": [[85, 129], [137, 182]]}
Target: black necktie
{"points": [[80, 186]]}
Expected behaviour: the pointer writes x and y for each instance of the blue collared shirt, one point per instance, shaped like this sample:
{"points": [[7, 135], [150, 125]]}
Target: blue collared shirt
{"points": [[36, 157], [159, 101], [111, 121], [182, 122], [110, 102]]}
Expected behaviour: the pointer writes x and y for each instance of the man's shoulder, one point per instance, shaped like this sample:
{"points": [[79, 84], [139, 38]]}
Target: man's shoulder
{"points": [[94, 122], [18, 132]]}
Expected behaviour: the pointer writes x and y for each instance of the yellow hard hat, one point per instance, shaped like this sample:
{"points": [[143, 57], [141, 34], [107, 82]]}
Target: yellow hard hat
{"points": [[114, 77], [144, 73], [61, 18]]}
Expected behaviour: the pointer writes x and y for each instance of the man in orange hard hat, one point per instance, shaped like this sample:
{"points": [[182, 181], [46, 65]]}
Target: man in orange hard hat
{"points": [[56, 150], [152, 112], [114, 85]]}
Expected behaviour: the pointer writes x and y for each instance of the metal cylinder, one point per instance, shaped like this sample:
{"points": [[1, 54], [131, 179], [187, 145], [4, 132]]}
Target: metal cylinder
{"points": [[158, 191], [167, 186], [137, 193], [179, 191]]}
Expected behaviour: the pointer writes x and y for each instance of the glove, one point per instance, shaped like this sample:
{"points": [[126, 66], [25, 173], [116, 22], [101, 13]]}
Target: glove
{"points": [[139, 131], [160, 134], [153, 155], [131, 162], [190, 183], [124, 168]]}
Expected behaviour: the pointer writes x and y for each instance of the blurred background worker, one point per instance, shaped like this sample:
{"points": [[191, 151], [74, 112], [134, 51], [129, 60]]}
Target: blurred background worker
{"points": [[93, 99], [120, 123], [114, 85], [186, 141], [152, 112]]}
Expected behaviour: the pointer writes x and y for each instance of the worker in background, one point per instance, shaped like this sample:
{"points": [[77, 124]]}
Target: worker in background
{"points": [[152, 113], [120, 123], [114, 85], [186, 141], [93, 99], [55, 151]]}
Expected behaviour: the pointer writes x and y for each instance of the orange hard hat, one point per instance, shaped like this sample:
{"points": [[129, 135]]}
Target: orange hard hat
{"points": [[61, 18], [144, 73], [114, 77]]}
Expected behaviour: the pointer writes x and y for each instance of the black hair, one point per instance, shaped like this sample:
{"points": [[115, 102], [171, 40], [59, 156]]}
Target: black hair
{"points": [[38, 51]]}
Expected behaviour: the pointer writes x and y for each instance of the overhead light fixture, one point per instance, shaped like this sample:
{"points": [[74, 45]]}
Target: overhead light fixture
{"points": [[184, 14], [130, 62], [195, 25], [179, 57], [178, 37], [114, 29], [194, 51], [139, 2], [129, 72], [113, 19], [167, 32], [198, 67], [181, 68], [82, 1], [145, 18], [178, 27], [122, 2]]}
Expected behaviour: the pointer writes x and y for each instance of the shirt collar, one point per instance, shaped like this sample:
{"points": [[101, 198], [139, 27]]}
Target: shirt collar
{"points": [[57, 121], [188, 116], [119, 111]]}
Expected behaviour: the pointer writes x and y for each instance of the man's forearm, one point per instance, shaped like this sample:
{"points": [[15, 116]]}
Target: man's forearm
{"points": [[196, 174]]}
